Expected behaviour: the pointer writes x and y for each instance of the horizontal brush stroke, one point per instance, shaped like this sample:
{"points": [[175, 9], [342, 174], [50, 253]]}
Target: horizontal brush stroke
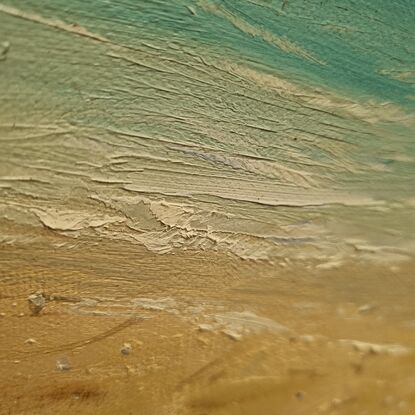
{"points": [[266, 129]]}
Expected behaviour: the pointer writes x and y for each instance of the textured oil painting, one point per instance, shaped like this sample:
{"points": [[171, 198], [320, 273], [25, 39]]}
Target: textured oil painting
{"points": [[207, 207]]}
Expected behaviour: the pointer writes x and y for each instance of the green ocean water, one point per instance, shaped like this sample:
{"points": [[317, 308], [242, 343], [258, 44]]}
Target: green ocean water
{"points": [[243, 125], [357, 41]]}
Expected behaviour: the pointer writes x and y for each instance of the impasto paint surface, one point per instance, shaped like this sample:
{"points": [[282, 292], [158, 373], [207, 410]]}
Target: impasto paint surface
{"points": [[214, 201]]}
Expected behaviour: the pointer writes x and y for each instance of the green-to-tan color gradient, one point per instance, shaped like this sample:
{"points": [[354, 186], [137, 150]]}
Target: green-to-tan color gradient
{"points": [[225, 166]]}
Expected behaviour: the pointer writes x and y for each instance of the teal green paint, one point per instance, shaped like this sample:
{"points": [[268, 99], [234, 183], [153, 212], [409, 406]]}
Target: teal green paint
{"points": [[151, 111], [356, 39]]}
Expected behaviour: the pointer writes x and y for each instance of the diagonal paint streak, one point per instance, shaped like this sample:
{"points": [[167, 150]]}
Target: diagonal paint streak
{"points": [[281, 43], [53, 23], [80, 343]]}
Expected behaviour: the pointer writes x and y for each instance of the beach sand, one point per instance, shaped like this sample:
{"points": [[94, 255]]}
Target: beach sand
{"points": [[132, 332]]}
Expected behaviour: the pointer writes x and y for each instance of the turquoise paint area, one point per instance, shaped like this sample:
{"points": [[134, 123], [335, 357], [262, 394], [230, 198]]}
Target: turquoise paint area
{"points": [[260, 121], [358, 42]]}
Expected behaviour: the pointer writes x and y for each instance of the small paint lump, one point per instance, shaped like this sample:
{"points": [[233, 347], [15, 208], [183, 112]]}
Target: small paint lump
{"points": [[36, 303], [126, 349]]}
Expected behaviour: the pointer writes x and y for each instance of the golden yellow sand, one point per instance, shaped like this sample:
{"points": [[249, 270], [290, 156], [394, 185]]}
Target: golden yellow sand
{"points": [[347, 348]]}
